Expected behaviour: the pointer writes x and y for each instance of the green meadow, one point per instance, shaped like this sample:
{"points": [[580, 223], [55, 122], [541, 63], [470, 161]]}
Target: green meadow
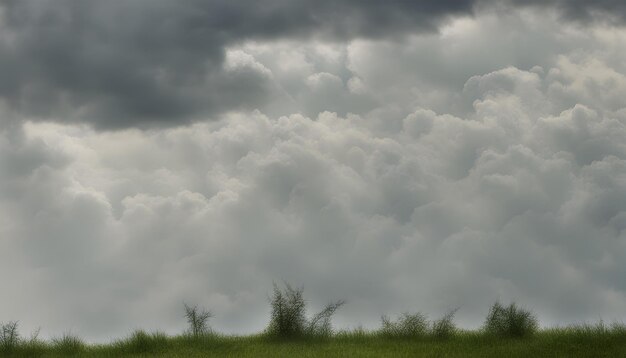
{"points": [[508, 331], [570, 342]]}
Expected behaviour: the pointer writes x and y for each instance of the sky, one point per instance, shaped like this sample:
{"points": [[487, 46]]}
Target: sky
{"points": [[401, 155]]}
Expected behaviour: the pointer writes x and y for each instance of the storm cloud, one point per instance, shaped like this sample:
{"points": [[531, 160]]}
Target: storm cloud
{"points": [[120, 64], [602, 10], [156, 152]]}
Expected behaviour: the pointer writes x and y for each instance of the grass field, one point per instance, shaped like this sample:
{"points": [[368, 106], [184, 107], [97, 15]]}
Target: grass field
{"points": [[508, 331], [572, 342]]}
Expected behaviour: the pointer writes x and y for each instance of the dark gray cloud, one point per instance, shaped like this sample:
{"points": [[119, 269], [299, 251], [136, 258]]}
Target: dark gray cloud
{"points": [[603, 10], [117, 64], [132, 63]]}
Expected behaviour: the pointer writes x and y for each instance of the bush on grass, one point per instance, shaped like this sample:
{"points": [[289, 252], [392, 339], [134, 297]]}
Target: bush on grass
{"points": [[198, 321], [444, 327], [9, 337], [288, 318], [511, 321]]}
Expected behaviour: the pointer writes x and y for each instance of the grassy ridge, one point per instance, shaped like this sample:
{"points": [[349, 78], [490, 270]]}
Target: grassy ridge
{"points": [[589, 341]]}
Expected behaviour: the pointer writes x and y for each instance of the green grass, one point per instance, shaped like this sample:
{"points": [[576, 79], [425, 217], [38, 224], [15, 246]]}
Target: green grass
{"points": [[508, 331], [582, 341], [68, 345]]}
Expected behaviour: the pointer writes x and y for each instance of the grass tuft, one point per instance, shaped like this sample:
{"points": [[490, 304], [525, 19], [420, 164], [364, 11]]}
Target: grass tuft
{"points": [[510, 322], [406, 326], [204, 341], [444, 328], [68, 345], [141, 342], [596, 330]]}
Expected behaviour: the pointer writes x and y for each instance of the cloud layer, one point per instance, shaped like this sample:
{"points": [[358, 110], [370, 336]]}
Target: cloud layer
{"points": [[482, 161], [120, 64]]}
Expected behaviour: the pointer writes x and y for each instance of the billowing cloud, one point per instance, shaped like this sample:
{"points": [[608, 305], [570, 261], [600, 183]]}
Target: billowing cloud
{"points": [[117, 229], [439, 169]]}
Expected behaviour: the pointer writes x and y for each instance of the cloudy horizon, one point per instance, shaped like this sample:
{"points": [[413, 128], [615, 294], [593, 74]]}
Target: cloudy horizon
{"points": [[401, 155]]}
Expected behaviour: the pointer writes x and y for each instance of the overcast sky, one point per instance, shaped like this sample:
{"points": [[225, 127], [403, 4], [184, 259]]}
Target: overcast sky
{"points": [[401, 155]]}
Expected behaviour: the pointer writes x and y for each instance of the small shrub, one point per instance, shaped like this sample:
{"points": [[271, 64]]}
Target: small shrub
{"points": [[288, 318], [68, 345], [444, 327], [198, 320], [406, 326], [9, 337], [288, 312], [320, 325], [511, 321]]}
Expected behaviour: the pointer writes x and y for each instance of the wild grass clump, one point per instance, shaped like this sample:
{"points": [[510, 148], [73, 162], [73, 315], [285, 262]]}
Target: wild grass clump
{"points": [[355, 334], [408, 325], [444, 328], [198, 321], [205, 341], [416, 325], [596, 330], [320, 324], [68, 345], [510, 322], [141, 342], [31, 348], [288, 317], [9, 337], [618, 328]]}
